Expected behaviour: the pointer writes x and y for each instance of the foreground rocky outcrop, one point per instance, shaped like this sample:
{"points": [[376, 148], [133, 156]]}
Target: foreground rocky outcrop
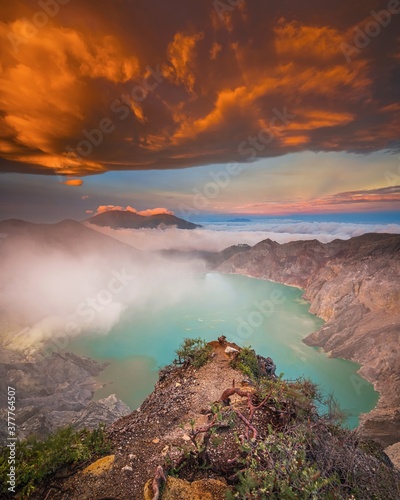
{"points": [[53, 392], [354, 286], [201, 431]]}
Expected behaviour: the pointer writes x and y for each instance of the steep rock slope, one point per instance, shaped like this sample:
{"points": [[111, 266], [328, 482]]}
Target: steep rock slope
{"points": [[53, 392], [354, 286]]}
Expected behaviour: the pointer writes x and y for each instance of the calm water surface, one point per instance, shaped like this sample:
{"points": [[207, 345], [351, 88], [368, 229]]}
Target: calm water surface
{"points": [[270, 317]]}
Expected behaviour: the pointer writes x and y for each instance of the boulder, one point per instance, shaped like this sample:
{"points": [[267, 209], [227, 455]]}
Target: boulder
{"points": [[178, 489]]}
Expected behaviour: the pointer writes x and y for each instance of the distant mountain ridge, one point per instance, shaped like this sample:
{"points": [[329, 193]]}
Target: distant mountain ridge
{"points": [[67, 234], [239, 219], [121, 219]]}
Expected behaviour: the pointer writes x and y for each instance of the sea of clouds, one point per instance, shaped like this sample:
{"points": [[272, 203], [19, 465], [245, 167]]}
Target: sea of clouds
{"points": [[216, 236]]}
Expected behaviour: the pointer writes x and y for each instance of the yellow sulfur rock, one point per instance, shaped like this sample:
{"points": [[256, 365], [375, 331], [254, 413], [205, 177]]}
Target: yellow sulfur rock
{"points": [[177, 489], [100, 466]]}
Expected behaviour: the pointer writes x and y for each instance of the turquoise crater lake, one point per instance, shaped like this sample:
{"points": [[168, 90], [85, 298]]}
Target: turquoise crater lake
{"points": [[271, 317]]}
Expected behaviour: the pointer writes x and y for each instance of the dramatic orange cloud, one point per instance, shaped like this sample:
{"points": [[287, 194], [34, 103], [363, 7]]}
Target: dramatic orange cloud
{"points": [[74, 182], [45, 94], [296, 40], [295, 140], [228, 101], [215, 50], [98, 88], [181, 52], [309, 119]]}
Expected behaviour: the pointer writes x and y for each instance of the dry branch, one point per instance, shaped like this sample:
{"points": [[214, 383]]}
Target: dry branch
{"points": [[159, 476]]}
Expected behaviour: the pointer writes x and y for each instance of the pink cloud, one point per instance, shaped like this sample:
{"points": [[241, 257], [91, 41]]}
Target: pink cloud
{"points": [[155, 211], [364, 199], [145, 213], [109, 208]]}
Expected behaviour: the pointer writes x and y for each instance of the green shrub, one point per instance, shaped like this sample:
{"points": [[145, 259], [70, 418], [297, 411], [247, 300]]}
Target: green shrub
{"points": [[37, 460], [193, 351], [277, 468], [246, 361]]}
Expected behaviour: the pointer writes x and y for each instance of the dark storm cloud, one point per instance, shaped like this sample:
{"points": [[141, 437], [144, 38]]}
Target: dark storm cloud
{"points": [[155, 84]]}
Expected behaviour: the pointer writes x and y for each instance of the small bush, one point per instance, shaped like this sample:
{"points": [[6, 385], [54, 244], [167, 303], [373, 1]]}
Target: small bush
{"points": [[193, 351], [246, 361], [277, 468], [37, 460]]}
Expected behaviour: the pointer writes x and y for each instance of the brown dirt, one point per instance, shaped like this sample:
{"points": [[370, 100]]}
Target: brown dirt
{"points": [[152, 436], [393, 452]]}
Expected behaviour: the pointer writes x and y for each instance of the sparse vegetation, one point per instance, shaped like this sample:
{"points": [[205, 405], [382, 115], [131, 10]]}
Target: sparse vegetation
{"points": [[39, 460], [195, 352], [271, 442], [277, 468], [246, 361]]}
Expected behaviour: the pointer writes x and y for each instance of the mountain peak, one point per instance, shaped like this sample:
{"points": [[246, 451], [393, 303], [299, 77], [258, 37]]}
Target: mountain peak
{"points": [[121, 219]]}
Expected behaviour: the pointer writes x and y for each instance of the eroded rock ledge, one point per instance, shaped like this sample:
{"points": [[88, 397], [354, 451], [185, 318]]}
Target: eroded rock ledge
{"points": [[354, 286], [53, 392]]}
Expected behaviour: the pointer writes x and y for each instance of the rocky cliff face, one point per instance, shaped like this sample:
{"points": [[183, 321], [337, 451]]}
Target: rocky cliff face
{"points": [[54, 392], [354, 286]]}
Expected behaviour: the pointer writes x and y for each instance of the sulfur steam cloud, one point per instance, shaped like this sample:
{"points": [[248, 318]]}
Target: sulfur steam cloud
{"points": [[56, 289]]}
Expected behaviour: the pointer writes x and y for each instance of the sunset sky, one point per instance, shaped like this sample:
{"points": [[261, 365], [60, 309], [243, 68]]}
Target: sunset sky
{"points": [[214, 107]]}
